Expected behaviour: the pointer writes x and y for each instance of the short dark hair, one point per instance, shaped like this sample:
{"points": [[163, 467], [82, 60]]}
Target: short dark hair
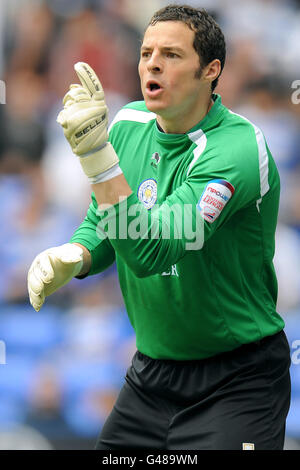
{"points": [[209, 42]]}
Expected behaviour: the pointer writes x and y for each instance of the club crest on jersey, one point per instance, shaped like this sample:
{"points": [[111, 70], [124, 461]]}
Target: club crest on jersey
{"points": [[215, 196], [147, 193]]}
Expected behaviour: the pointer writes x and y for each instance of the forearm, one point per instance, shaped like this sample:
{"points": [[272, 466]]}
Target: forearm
{"points": [[150, 241], [112, 191], [140, 237]]}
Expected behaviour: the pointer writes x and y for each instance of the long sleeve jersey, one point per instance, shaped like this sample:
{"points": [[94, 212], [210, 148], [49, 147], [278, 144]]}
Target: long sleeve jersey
{"points": [[195, 240]]}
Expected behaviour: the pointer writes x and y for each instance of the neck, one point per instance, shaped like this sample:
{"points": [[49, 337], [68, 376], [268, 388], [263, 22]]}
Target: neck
{"points": [[183, 123]]}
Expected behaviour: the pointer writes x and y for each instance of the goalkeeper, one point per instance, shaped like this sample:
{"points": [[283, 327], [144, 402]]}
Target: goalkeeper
{"points": [[211, 370]]}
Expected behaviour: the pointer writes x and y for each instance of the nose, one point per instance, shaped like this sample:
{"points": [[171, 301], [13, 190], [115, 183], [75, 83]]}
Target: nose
{"points": [[154, 64]]}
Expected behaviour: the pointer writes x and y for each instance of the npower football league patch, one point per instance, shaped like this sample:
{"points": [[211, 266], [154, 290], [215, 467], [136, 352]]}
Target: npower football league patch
{"points": [[214, 198]]}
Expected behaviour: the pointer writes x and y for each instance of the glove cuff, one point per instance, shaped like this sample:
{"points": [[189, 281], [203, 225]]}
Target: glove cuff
{"points": [[101, 160], [106, 175]]}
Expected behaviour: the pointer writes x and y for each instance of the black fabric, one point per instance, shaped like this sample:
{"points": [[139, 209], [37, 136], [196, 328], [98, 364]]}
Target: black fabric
{"points": [[242, 396]]}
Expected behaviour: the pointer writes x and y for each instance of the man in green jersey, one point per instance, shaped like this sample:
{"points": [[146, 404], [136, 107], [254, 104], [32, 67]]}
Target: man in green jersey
{"points": [[184, 198]]}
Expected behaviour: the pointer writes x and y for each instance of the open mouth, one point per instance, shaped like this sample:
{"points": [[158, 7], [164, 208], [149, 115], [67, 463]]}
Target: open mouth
{"points": [[153, 86]]}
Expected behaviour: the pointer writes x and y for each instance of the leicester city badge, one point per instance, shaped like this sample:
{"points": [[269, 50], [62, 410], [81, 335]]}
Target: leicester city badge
{"points": [[147, 193]]}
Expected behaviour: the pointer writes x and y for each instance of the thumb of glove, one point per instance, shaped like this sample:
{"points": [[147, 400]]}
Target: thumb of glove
{"points": [[61, 119]]}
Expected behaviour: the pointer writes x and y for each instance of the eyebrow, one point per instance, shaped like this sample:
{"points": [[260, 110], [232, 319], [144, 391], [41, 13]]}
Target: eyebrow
{"points": [[164, 48]]}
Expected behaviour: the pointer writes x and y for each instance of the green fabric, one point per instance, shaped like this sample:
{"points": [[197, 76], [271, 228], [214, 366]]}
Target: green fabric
{"points": [[186, 303]]}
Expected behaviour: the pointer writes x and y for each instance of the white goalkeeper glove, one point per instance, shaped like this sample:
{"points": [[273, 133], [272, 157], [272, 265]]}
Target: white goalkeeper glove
{"points": [[84, 120], [52, 269]]}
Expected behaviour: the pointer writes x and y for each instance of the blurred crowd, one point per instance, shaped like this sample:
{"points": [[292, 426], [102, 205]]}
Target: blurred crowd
{"points": [[65, 364]]}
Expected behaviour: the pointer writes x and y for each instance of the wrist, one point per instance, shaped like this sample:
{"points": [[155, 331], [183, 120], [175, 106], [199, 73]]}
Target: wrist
{"points": [[106, 175], [99, 160], [85, 267]]}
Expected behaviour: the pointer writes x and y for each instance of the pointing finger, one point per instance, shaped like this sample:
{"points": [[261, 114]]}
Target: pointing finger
{"points": [[88, 78]]}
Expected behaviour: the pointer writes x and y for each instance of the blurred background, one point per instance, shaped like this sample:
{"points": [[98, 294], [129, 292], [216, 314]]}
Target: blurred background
{"points": [[65, 365]]}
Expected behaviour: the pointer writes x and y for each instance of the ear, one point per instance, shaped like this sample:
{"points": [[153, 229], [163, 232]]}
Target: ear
{"points": [[212, 70]]}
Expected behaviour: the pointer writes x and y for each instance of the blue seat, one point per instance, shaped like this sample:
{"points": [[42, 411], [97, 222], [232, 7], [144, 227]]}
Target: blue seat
{"points": [[292, 329], [16, 376], [83, 418], [293, 419], [84, 382], [25, 331], [77, 376], [12, 411], [292, 325]]}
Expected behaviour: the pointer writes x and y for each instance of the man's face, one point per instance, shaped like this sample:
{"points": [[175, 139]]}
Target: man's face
{"points": [[167, 69]]}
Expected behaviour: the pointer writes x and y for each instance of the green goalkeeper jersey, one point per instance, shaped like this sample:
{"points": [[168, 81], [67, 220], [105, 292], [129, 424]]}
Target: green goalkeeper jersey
{"points": [[194, 242]]}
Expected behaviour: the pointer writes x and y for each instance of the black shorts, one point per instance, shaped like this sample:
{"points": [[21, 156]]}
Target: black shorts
{"points": [[236, 400]]}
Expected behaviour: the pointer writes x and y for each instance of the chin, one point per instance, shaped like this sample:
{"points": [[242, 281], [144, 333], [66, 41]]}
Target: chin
{"points": [[155, 107]]}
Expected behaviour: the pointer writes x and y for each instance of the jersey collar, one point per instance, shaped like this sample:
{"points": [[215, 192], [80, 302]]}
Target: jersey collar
{"points": [[210, 120]]}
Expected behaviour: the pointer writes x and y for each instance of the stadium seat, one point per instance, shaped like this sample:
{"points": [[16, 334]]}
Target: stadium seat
{"points": [[84, 382], [15, 377], [12, 411], [26, 332], [293, 419]]}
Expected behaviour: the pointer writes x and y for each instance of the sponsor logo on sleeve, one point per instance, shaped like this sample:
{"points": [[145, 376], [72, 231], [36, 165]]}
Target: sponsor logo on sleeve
{"points": [[215, 196]]}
